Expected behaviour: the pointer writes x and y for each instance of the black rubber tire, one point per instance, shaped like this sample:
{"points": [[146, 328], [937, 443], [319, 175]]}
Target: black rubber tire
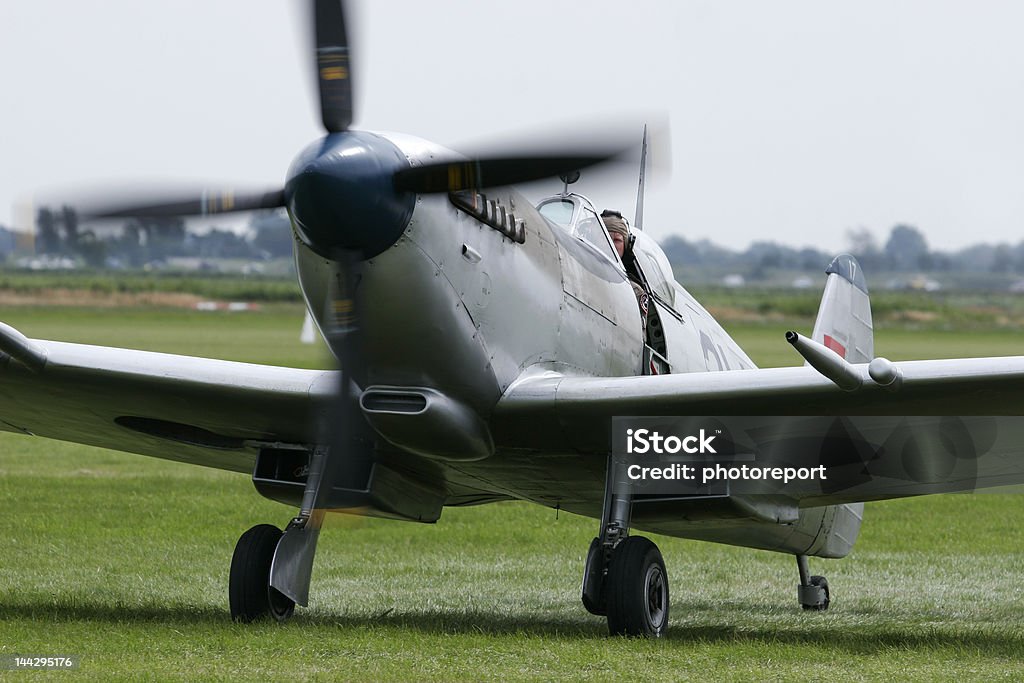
{"points": [[823, 582], [249, 592], [594, 598], [636, 590]]}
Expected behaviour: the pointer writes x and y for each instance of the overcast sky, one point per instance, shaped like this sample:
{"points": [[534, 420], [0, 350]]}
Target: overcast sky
{"points": [[791, 121]]}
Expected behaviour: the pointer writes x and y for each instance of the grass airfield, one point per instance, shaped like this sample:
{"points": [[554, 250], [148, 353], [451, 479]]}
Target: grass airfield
{"points": [[123, 560]]}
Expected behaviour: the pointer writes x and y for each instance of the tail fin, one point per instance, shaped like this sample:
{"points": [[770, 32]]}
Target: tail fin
{"points": [[844, 317]]}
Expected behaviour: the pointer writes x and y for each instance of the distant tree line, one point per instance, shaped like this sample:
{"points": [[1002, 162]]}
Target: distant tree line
{"points": [[140, 241], [905, 250]]}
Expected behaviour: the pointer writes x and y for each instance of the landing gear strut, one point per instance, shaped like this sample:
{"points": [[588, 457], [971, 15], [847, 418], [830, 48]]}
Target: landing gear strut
{"points": [[250, 593], [813, 590], [625, 577]]}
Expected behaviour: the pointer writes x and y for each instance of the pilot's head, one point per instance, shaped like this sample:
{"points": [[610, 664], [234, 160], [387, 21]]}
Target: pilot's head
{"points": [[617, 229]]}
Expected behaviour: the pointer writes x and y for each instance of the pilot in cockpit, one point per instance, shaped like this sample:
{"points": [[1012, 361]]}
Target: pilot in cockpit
{"points": [[619, 233]]}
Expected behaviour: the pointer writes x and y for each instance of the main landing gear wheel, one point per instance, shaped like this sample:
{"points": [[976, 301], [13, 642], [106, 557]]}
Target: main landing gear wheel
{"points": [[250, 593], [637, 589], [593, 580]]}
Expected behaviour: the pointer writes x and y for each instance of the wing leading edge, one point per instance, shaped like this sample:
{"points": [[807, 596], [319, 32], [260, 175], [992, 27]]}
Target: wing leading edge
{"points": [[550, 411], [196, 410]]}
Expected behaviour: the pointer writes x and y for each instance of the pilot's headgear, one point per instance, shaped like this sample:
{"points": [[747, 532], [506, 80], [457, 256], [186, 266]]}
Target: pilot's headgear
{"points": [[614, 221]]}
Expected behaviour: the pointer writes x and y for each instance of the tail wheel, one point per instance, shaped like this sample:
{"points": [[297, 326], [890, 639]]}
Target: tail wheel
{"points": [[818, 584]]}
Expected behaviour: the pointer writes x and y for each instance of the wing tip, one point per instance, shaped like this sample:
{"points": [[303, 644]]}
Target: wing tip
{"points": [[21, 348]]}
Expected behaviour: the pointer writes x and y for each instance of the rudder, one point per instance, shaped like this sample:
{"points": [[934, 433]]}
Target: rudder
{"points": [[844, 316]]}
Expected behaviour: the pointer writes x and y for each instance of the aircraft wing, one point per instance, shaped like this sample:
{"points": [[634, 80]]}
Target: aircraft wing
{"points": [[196, 410], [551, 411], [973, 386]]}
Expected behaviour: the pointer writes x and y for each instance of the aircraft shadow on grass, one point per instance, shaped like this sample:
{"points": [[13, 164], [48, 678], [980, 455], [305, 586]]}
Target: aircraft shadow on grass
{"points": [[865, 638]]}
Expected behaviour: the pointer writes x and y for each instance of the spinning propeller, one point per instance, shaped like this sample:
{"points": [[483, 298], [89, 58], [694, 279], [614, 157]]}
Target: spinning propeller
{"points": [[351, 189], [350, 195]]}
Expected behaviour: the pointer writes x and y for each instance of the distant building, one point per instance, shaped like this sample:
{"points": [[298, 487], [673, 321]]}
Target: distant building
{"points": [[918, 283], [803, 282], [923, 284], [24, 215], [8, 241]]}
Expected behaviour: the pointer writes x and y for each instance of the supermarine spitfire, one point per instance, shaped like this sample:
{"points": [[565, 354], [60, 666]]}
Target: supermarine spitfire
{"points": [[484, 344]]}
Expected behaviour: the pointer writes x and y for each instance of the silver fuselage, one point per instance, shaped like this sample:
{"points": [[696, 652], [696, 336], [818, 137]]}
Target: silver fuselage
{"points": [[456, 312]]}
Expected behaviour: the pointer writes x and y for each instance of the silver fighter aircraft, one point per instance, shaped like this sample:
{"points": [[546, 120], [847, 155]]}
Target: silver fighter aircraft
{"points": [[484, 345]]}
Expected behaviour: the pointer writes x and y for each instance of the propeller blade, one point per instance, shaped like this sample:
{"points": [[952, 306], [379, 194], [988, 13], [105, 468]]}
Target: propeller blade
{"points": [[333, 73], [350, 453], [341, 466], [452, 176], [182, 204]]}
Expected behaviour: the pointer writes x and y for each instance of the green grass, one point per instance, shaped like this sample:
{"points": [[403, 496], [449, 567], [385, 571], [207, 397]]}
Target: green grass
{"points": [[226, 286], [123, 560], [269, 335], [951, 310], [766, 344]]}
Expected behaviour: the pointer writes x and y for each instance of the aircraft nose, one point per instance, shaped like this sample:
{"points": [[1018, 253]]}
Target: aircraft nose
{"points": [[341, 194]]}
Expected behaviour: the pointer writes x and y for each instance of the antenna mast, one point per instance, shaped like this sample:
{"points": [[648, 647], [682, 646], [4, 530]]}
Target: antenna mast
{"points": [[637, 222]]}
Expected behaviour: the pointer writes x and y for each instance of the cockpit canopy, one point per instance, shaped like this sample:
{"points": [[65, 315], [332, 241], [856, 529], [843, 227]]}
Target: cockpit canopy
{"points": [[576, 214]]}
